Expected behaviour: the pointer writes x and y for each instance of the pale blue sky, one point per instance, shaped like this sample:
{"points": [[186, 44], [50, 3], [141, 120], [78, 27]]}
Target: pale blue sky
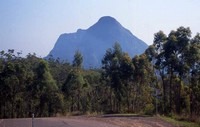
{"points": [[34, 25]]}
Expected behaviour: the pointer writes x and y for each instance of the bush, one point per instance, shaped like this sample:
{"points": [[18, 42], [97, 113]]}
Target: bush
{"points": [[149, 109]]}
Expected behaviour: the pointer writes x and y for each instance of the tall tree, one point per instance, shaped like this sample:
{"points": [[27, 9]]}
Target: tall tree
{"points": [[73, 86], [72, 89], [175, 49], [111, 71], [193, 57], [42, 89], [127, 71], [157, 55], [143, 79], [78, 59]]}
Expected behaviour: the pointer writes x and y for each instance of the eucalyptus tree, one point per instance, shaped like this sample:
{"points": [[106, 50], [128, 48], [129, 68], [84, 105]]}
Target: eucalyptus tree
{"points": [[156, 54], [127, 71], [12, 85], [43, 89], [193, 57], [175, 49], [73, 86], [111, 73], [118, 72], [78, 59], [143, 78]]}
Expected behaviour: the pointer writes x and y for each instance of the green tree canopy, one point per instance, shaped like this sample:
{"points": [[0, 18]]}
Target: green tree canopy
{"points": [[78, 59]]}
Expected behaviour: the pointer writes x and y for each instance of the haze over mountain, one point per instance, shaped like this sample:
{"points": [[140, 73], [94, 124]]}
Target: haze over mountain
{"points": [[94, 41]]}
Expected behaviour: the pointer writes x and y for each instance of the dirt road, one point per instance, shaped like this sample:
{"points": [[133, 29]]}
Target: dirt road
{"points": [[82, 121]]}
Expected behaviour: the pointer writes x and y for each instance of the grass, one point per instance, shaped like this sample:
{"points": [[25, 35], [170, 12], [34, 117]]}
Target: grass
{"points": [[125, 115], [180, 123]]}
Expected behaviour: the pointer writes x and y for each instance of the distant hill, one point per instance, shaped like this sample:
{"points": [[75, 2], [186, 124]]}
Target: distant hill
{"points": [[94, 41]]}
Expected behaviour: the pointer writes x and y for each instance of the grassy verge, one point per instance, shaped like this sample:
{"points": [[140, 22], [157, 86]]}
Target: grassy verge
{"points": [[179, 123], [125, 115]]}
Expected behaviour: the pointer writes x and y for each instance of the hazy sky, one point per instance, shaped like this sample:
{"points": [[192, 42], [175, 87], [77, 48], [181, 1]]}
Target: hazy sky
{"points": [[34, 25]]}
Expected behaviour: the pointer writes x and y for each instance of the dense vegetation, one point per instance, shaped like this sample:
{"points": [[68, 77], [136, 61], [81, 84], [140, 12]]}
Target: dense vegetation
{"points": [[165, 79]]}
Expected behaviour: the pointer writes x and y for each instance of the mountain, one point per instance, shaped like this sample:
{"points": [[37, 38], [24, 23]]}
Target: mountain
{"points": [[94, 41]]}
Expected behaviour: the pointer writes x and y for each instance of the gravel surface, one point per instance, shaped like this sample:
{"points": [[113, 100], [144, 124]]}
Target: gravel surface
{"points": [[84, 121]]}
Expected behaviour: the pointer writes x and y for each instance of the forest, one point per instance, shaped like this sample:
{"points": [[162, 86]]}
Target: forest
{"points": [[165, 79]]}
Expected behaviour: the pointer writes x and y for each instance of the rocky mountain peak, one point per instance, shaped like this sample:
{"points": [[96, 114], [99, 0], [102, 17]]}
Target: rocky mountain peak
{"points": [[94, 41]]}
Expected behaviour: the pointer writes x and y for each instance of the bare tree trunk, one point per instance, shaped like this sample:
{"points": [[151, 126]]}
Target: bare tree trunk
{"points": [[111, 106], [78, 100], [72, 105], [127, 99], [170, 90], [164, 92], [179, 97]]}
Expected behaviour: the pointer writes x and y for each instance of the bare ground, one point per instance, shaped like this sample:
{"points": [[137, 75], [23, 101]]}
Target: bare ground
{"points": [[84, 121]]}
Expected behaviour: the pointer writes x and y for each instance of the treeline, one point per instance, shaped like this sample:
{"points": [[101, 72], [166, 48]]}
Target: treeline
{"points": [[27, 86], [176, 62], [165, 79]]}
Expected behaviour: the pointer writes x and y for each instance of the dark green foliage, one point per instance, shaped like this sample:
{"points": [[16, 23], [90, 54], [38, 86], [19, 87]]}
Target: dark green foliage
{"points": [[165, 79], [78, 59], [176, 62], [27, 87], [128, 80], [73, 89]]}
